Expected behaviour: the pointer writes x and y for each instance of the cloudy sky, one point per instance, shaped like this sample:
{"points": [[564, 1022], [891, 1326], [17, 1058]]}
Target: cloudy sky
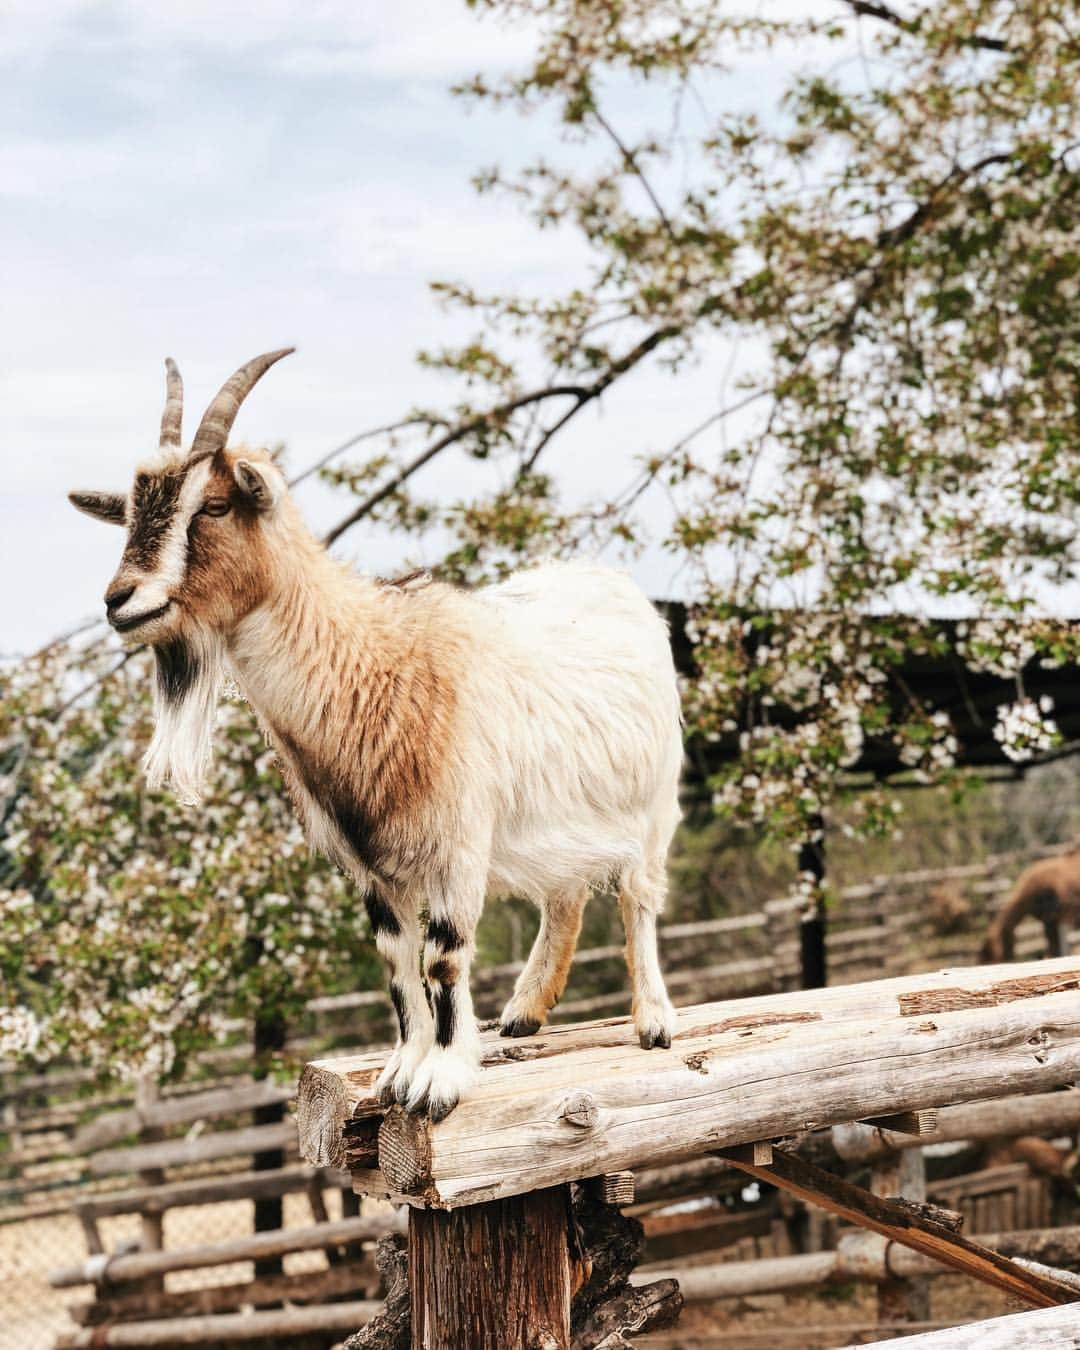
{"points": [[208, 180]]}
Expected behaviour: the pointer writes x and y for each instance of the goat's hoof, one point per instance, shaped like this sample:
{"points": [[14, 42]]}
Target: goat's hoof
{"points": [[658, 1038], [440, 1110], [387, 1095], [520, 1026]]}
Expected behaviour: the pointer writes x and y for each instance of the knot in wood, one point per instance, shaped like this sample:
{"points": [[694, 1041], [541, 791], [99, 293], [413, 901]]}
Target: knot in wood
{"points": [[580, 1109]]}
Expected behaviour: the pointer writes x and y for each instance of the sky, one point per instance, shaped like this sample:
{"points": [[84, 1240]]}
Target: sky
{"points": [[210, 180]]}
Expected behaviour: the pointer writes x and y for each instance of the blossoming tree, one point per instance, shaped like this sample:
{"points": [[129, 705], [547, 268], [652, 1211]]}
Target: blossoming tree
{"points": [[892, 256]]}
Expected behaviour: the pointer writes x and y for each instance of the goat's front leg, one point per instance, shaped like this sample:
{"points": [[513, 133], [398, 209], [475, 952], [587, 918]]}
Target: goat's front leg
{"points": [[395, 925], [453, 1063]]}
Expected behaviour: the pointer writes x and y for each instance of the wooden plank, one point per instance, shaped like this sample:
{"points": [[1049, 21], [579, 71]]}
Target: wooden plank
{"points": [[318, 1286], [814, 1186], [860, 1255], [1059, 1327], [205, 1191], [248, 1326], [203, 1148], [278, 1242], [577, 1101], [1047, 1114], [173, 1111]]}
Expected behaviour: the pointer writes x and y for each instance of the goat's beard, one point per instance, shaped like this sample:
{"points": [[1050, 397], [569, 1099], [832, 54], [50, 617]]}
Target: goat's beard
{"points": [[190, 674]]}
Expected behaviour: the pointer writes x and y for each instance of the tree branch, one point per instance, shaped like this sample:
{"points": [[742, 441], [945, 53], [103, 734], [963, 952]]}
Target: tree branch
{"points": [[630, 160], [359, 438], [581, 394], [867, 9]]}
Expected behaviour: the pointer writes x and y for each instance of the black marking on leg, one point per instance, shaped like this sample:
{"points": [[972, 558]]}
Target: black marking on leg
{"points": [[445, 1014], [177, 669], [381, 917], [442, 971], [397, 998], [442, 933], [520, 1026]]}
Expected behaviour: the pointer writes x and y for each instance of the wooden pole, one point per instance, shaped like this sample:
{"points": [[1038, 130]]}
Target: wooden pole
{"points": [[270, 1036], [900, 1299], [812, 955], [495, 1276]]}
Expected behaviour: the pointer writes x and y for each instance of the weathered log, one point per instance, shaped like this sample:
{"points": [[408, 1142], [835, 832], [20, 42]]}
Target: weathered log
{"points": [[250, 1326], [312, 1287], [207, 1191], [138, 1265], [900, 1224], [204, 1148], [172, 1111], [1046, 1114], [576, 1101], [493, 1276], [1019, 1331], [860, 1256]]}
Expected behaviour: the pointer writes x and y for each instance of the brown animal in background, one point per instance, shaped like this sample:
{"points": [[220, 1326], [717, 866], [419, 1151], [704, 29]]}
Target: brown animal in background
{"points": [[1050, 892]]}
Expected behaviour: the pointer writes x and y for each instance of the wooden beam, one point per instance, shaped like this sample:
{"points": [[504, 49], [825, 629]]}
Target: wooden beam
{"points": [[582, 1100], [205, 1191], [859, 1255], [173, 1111], [1018, 1331], [204, 1148], [287, 1323], [139, 1265], [1045, 1113], [816, 1187], [319, 1286]]}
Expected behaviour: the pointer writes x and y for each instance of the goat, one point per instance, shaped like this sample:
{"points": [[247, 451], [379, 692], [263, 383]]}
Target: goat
{"points": [[439, 745], [1048, 890]]}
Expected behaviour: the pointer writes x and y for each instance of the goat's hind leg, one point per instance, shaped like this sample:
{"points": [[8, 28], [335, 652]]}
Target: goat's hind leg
{"points": [[641, 898], [540, 985], [395, 925]]}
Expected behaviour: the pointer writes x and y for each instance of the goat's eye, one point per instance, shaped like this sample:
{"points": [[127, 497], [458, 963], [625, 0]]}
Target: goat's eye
{"points": [[217, 506]]}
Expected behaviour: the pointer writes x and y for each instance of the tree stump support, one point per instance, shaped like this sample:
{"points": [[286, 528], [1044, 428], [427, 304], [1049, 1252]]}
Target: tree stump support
{"points": [[495, 1275]]}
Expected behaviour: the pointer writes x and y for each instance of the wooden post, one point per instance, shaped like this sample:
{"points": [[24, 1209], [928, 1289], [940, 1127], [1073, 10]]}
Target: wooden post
{"points": [[495, 1276], [812, 955], [151, 1225], [270, 1036], [904, 1175]]}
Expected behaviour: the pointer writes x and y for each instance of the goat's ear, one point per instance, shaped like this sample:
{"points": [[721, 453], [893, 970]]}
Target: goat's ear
{"points": [[108, 506], [259, 484]]}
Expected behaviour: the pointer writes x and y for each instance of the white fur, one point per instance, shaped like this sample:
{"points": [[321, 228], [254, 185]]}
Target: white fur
{"points": [[181, 748]]}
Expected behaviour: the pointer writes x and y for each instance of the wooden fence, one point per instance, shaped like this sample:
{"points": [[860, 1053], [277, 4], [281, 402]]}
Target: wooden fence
{"points": [[102, 1155]]}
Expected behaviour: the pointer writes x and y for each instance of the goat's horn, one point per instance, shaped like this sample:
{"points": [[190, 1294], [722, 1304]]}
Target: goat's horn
{"points": [[174, 405], [217, 421]]}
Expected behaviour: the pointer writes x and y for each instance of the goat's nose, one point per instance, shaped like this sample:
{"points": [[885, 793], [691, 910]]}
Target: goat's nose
{"points": [[115, 599]]}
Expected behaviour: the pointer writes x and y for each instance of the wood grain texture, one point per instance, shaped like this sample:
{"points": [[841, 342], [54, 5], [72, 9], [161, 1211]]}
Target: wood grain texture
{"points": [[900, 1224], [139, 1265], [494, 1276], [582, 1100], [1057, 1328]]}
